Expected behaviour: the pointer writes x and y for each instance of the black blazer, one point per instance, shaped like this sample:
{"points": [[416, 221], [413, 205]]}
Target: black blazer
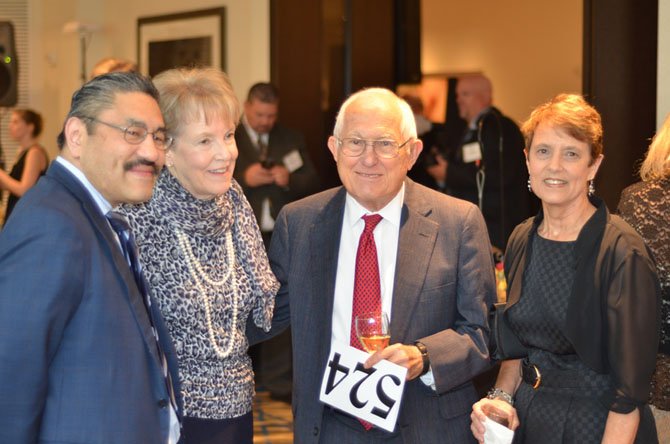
{"points": [[282, 141]]}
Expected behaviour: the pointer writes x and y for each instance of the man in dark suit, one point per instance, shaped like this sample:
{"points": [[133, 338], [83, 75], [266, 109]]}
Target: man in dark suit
{"points": [[488, 168], [81, 362], [273, 165], [434, 138], [273, 168], [435, 279]]}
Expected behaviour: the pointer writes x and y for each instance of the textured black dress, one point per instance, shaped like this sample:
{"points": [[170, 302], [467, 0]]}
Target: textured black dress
{"points": [[646, 207], [549, 415]]}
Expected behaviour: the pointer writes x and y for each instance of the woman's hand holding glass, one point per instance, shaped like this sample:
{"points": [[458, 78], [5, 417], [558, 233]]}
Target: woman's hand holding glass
{"points": [[492, 410]]}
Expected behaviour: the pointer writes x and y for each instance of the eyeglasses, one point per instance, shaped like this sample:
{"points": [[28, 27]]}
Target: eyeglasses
{"points": [[135, 134], [386, 149]]}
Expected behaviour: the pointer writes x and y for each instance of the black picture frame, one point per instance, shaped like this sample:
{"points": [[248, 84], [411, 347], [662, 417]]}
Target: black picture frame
{"points": [[193, 38]]}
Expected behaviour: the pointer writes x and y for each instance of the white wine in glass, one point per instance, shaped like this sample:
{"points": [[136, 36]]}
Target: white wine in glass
{"points": [[372, 330]]}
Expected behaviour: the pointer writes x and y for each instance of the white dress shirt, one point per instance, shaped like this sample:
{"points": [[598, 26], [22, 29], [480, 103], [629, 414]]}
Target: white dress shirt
{"points": [[386, 235]]}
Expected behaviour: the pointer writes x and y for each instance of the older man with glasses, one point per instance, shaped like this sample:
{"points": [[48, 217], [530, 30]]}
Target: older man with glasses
{"points": [[85, 356], [383, 243]]}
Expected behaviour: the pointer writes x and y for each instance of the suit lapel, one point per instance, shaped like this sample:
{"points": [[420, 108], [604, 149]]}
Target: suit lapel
{"points": [[416, 242], [110, 242], [325, 236]]}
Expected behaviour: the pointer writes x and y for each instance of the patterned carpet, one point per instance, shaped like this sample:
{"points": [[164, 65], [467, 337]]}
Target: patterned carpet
{"points": [[273, 420]]}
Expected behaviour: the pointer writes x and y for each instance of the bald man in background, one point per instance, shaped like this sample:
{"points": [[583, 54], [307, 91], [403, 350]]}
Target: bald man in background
{"points": [[488, 169]]}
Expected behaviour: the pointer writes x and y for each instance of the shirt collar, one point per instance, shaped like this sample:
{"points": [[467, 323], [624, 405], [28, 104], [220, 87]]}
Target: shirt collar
{"points": [[100, 201], [253, 135], [473, 125], [354, 211]]}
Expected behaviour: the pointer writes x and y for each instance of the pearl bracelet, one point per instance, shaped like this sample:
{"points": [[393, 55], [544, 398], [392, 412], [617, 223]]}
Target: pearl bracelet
{"points": [[497, 393]]}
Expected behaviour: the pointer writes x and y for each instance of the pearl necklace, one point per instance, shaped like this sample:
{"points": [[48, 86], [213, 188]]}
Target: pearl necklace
{"points": [[198, 274]]}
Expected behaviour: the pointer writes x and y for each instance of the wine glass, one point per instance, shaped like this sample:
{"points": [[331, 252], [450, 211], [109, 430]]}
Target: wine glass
{"points": [[372, 330]]}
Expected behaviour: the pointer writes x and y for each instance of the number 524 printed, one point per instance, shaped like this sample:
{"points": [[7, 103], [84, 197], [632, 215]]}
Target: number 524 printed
{"points": [[372, 394]]}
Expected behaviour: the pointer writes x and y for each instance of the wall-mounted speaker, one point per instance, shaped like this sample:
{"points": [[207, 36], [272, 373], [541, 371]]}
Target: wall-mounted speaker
{"points": [[9, 70]]}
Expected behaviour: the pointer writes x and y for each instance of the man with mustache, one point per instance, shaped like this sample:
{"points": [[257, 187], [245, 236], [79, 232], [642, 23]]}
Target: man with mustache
{"points": [[85, 356]]}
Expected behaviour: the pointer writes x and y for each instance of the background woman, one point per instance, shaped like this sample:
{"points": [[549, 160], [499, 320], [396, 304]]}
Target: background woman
{"points": [[25, 126], [646, 206], [203, 256], [583, 299]]}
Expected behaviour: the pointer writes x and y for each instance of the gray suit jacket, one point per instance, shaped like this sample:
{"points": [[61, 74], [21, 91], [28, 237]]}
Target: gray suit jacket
{"points": [[443, 285]]}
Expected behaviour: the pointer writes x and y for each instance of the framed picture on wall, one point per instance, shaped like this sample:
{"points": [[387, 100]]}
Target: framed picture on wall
{"points": [[193, 38]]}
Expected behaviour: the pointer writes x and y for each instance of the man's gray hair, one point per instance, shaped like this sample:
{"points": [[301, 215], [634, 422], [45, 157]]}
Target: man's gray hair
{"points": [[407, 125], [99, 94]]}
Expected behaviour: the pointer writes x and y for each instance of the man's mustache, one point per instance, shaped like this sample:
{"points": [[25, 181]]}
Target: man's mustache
{"points": [[132, 164]]}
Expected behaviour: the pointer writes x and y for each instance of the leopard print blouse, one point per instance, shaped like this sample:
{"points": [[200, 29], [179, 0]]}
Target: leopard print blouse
{"points": [[212, 387]]}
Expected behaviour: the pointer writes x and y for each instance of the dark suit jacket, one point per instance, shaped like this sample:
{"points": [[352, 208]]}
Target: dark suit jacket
{"points": [[78, 360], [442, 287], [461, 177], [302, 182]]}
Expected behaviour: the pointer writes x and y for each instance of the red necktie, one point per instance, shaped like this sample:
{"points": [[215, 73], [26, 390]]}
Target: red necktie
{"points": [[367, 290]]}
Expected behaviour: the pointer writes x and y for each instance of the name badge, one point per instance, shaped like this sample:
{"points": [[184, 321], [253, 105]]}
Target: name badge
{"points": [[373, 394], [472, 152], [292, 161]]}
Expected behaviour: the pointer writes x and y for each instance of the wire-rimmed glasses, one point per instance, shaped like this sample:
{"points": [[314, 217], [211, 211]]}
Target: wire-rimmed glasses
{"points": [[384, 148], [135, 134]]}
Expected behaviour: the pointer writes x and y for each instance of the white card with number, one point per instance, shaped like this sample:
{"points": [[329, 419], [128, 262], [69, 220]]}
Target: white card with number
{"points": [[372, 394]]}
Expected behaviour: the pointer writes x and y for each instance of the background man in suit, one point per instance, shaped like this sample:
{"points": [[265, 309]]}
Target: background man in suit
{"points": [[274, 169], [433, 136], [80, 360], [489, 159], [435, 276], [273, 166]]}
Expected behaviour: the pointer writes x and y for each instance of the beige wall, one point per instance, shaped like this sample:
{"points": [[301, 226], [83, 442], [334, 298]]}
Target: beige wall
{"points": [[530, 49], [56, 73]]}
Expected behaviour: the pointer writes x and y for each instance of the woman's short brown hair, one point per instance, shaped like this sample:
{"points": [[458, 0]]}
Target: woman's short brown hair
{"points": [[572, 114]]}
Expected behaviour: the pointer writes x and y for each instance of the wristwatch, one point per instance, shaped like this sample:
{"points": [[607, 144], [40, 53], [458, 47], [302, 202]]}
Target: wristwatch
{"points": [[424, 355], [497, 393]]}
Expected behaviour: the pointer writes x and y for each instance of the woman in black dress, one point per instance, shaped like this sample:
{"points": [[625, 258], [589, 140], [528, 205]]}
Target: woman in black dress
{"points": [[25, 127], [582, 312], [646, 207]]}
